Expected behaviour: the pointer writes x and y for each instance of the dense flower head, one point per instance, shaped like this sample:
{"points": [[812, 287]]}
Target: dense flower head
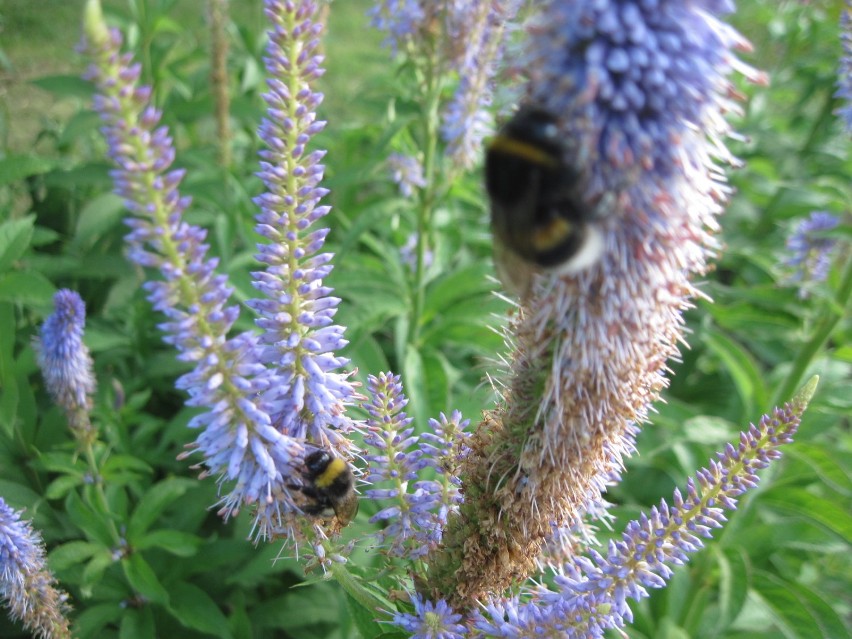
{"points": [[27, 587], [401, 19], [811, 252], [64, 359], [638, 90], [627, 79]]}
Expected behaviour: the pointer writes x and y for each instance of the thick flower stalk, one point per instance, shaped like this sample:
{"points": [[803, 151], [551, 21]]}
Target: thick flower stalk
{"points": [[810, 251], [592, 593], [238, 441], [27, 587], [299, 339], [65, 362], [639, 91], [397, 458]]}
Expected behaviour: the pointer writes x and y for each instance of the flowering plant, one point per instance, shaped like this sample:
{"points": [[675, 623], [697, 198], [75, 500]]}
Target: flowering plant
{"points": [[460, 517]]}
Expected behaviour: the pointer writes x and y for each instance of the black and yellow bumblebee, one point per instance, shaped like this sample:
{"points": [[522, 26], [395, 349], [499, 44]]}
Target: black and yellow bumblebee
{"points": [[539, 217], [329, 486]]}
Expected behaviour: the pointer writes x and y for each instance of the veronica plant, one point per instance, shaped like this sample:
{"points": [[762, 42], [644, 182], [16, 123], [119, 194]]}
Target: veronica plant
{"points": [[265, 397], [639, 90], [66, 365], [454, 49]]}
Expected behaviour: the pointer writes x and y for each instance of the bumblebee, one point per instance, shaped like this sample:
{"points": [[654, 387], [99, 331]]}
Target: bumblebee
{"points": [[329, 486], [539, 218]]}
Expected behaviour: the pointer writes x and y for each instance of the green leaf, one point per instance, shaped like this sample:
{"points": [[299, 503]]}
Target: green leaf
{"points": [[458, 286], [73, 553], [155, 500], [15, 237], [831, 471], [10, 397], [14, 168], [93, 619], [800, 613], [98, 216], [19, 496], [66, 86], [741, 367], [175, 542], [364, 619], [94, 571], [143, 579], [195, 609], [29, 289], [138, 623], [733, 583], [827, 513], [94, 525], [61, 486]]}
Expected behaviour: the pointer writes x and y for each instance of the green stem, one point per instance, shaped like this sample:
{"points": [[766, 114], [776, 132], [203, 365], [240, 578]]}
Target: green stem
{"points": [[100, 495], [432, 95], [355, 589], [830, 316]]}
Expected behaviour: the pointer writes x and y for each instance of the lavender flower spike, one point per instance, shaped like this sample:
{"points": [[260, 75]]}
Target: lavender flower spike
{"points": [[482, 26], [27, 586], [419, 508], [844, 74], [299, 339], [639, 91], [65, 362], [810, 253], [592, 592], [237, 440]]}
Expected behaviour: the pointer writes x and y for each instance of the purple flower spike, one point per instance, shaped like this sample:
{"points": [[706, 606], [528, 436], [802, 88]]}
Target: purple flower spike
{"points": [[239, 444], [844, 75], [463, 37], [810, 253], [467, 119], [27, 587], [299, 338], [65, 362], [419, 507]]}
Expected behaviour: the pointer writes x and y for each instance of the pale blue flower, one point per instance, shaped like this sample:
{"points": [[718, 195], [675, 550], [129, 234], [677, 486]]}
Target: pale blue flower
{"points": [[65, 362], [27, 587], [810, 251]]}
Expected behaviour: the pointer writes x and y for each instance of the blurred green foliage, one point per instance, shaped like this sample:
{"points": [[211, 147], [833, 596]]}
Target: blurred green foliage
{"points": [[781, 567]]}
